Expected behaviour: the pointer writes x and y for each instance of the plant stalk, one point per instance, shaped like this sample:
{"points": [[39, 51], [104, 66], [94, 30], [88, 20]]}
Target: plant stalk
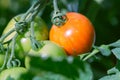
{"points": [[95, 51]]}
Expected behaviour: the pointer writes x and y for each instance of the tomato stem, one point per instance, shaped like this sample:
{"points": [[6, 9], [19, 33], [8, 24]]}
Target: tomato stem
{"points": [[5, 59], [28, 16], [33, 10], [32, 29], [55, 6], [12, 51], [95, 51], [58, 17], [34, 43]]}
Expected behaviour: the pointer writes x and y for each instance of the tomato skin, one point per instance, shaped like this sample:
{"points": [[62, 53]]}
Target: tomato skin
{"points": [[49, 50], [2, 57], [14, 73], [76, 36]]}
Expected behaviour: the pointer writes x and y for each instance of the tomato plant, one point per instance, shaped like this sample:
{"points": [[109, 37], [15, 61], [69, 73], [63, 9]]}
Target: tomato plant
{"points": [[23, 41], [76, 36], [12, 73], [49, 49]]}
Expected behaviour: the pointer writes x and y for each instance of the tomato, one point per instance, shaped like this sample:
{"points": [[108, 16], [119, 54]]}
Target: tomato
{"points": [[12, 73], [76, 36], [49, 49], [2, 57], [23, 41]]}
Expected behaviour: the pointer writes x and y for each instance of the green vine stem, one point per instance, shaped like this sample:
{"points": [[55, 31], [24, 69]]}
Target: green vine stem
{"points": [[34, 43], [34, 10], [29, 11], [58, 18], [20, 26], [5, 59], [15, 62], [32, 29], [95, 51], [2, 48], [28, 16], [56, 9], [12, 51]]}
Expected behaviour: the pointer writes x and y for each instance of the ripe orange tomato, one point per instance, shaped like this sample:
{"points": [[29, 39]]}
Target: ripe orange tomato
{"points": [[76, 36]]}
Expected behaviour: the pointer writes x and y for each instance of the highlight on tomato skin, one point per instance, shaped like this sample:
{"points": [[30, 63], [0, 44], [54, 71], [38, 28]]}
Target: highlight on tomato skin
{"points": [[76, 36]]}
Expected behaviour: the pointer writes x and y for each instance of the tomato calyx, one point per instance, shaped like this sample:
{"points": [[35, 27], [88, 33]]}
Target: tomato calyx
{"points": [[35, 44], [21, 27], [58, 18]]}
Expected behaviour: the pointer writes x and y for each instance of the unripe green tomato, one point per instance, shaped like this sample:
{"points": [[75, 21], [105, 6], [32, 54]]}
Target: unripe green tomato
{"points": [[12, 73], [49, 49], [23, 43], [2, 57]]}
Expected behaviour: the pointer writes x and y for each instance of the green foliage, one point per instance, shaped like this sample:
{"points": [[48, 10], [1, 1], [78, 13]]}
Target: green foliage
{"points": [[113, 74], [104, 49], [116, 52], [111, 77], [67, 69], [115, 44]]}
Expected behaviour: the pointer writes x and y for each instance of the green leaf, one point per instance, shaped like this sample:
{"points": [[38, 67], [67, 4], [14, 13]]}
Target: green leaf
{"points": [[116, 52], [86, 74], [66, 69], [111, 77], [83, 75], [118, 65], [113, 70], [50, 76], [115, 44], [104, 49]]}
